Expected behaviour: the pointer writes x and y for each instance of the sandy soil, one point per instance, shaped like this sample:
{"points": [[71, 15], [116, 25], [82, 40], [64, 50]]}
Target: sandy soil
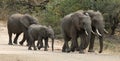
{"points": [[20, 53]]}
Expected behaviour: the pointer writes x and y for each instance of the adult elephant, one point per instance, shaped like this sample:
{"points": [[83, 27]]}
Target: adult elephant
{"points": [[74, 25], [18, 23], [98, 25], [40, 32]]}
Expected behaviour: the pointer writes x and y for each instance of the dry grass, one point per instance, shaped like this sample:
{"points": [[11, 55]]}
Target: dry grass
{"points": [[111, 45]]}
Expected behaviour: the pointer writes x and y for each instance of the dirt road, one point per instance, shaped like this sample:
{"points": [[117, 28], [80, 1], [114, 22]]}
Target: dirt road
{"points": [[20, 53]]}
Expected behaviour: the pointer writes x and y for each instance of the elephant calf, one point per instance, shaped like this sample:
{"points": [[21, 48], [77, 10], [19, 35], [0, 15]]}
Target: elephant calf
{"points": [[39, 32]]}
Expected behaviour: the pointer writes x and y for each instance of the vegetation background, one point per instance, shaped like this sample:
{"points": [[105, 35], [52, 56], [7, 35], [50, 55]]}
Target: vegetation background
{"points": [[50, 12]]}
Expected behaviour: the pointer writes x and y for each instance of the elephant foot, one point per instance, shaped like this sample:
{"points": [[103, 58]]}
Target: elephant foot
{"points": [[48, 46], [100, 51], [73, 50], [40, 47], [35, 49], [21, 43], [68, 50], [15, 42], [77, 49], [63, 50], [29, 49], [91, 50], [45, 49], [81, 52], [10, 44]]}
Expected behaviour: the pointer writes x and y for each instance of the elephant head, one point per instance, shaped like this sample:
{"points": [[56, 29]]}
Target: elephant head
{"points": [[51, 35], [97, 22], [82, 21]]}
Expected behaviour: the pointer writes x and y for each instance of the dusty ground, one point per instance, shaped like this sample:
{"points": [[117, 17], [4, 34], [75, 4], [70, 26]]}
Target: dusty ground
{"points": [[20, 53]]}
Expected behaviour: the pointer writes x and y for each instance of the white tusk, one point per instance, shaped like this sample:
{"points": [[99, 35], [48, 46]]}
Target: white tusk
{"points": [[93, 32], [86, 32], [98, 32], [105, 31]]}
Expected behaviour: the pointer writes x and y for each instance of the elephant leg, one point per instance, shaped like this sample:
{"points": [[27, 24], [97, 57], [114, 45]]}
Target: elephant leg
{"points": [[23, 40], [81, 47], [25, 37], [10, 38], [30, 44], [46, 44], [91, 45], [74, 45], [40, 43], [29, 48], [65, 45], [101, 43], [73, 40], [34, 45], [77, 46], [15, 40]]}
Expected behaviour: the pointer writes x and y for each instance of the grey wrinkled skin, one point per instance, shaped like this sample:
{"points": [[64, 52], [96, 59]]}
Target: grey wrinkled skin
{"points": [[18, 23], [74, 25], [97, 23], [40, 32]]}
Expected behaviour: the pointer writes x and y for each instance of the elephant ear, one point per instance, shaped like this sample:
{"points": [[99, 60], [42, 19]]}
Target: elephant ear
{"points": [[31, 19], [25, 22], [76, 20], [28, 20]]}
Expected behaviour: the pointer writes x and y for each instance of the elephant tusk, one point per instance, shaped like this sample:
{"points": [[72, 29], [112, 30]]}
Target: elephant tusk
{"points": [[105, 31], [98, 32], [93, 32], [86, 32]]}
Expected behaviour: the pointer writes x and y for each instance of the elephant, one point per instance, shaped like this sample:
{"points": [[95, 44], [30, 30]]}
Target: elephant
{"points": [[18, 23], [74, 25], [40, 32], [98, 25]]}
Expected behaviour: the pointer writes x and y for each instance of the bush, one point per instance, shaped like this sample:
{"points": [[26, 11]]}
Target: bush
{"points": [[51, 12]]}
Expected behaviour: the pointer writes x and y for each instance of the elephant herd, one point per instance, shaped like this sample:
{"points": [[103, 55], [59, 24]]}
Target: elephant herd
{"points": [[18, 23], [84, 24]]}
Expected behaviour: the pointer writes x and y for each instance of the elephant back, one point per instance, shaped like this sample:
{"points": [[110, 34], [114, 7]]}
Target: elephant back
{"points": [[17, 15]]}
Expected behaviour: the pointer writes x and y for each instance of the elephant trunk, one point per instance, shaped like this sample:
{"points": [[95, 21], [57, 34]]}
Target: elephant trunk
{"points": [[52, 44], [101, 31], [88, 32]]}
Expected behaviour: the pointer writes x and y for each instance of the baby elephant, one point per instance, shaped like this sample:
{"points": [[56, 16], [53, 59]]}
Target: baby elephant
{"points": [[39, 32]]}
